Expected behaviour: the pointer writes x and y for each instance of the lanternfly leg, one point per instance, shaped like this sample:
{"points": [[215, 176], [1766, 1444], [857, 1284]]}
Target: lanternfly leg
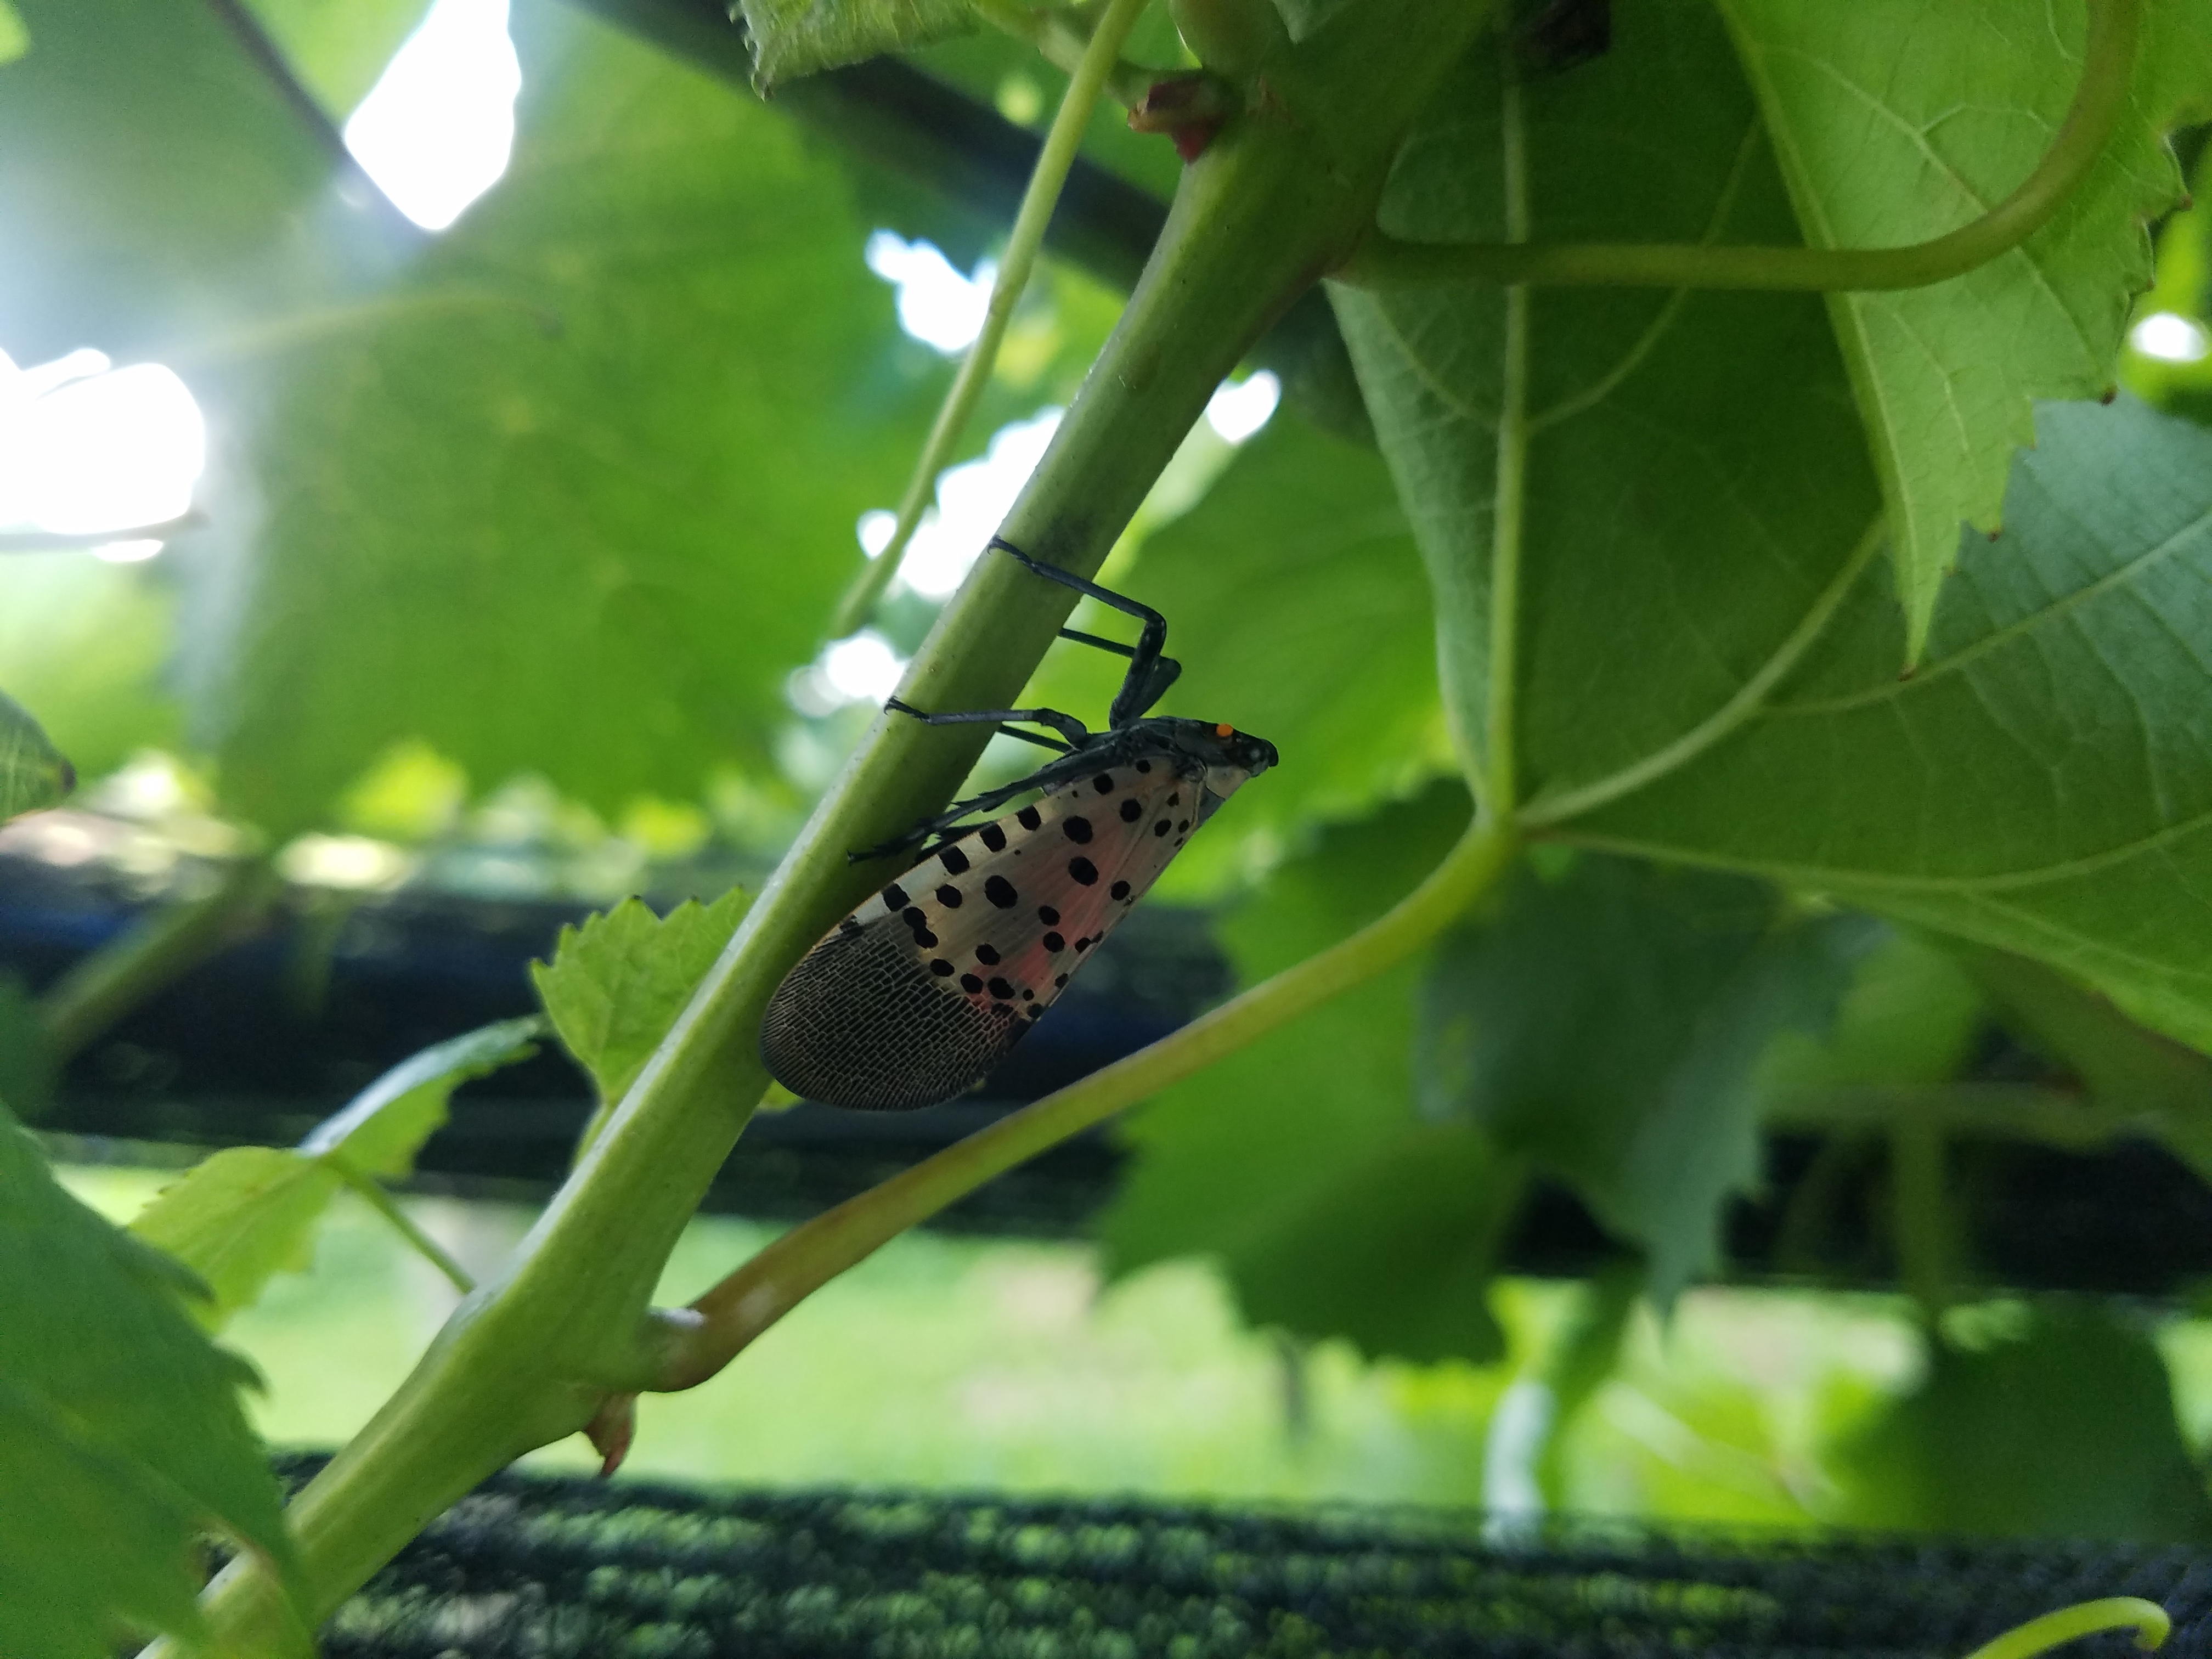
{"points": [[1067, 724], [1151, 672]]}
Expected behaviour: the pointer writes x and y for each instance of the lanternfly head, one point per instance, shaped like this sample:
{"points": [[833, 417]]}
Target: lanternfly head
{"points": [[1221, 757]]}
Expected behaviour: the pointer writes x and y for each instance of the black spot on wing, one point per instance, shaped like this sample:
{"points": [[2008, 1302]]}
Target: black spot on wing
{"points": [[1048, 916], [986, 955], [1077, 827], [895, 897], [1119, 890], [1132, 809], [1028, 817], [1083, 870], [993, 837], [1104, 783], [1000, 892], [954, 861], [949, 896]]}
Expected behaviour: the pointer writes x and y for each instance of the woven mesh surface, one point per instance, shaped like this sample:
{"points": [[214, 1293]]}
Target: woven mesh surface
{"points": [[529, 1566]]}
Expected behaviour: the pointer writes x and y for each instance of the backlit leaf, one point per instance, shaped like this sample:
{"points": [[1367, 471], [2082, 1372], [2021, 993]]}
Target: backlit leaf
{"points": [[616, 983]]}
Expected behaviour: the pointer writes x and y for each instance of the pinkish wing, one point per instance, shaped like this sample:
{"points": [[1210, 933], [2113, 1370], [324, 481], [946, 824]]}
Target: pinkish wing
{"points": [[1007, 915]]}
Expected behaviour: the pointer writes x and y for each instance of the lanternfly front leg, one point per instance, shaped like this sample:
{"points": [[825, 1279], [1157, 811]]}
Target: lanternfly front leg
{"points": [[1151, 672]]}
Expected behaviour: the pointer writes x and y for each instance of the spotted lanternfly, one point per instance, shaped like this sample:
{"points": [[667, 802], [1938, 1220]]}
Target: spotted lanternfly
{"points": [[916, 994]]}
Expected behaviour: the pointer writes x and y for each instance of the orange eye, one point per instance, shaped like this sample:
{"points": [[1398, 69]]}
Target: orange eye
{"points": [[1224, 731]]}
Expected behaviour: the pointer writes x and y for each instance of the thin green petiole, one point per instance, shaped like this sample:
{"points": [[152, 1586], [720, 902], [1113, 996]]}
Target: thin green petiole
{"points": [[387, 1206], [2107, 73], [2083, 1619], [1063, 43], [1100, 56]]}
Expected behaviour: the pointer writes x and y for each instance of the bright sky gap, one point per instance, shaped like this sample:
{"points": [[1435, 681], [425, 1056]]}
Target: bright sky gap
{"points": [[437, 130]]}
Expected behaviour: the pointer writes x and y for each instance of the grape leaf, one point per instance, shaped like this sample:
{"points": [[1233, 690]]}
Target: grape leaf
{"points": [[1610, 1024], [792, 38], [1687, 474], [616, 983], [1895, 123], [1421, 1214], [1264, 1158], [1911, 1016], [2062, 1430], [33, 773], [2042, 783], [244, 1214], [90, 1541], [120, 1428], [1295, 603], [2138, 1075]]}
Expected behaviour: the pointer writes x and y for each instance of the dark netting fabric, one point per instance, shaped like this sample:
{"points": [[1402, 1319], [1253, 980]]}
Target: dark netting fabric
{"points": [[530, 1566]]}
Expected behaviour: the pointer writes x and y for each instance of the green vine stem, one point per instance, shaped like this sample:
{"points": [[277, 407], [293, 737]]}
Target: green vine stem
{"points": [[756, 1295], [150, 954], [1062, 42], [1061, 145], [1282, 194], [2107, 71], [2082, 1618]]}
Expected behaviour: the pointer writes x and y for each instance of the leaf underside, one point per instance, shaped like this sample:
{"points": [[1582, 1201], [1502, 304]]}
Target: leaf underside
{"points": [[1895, 123]]}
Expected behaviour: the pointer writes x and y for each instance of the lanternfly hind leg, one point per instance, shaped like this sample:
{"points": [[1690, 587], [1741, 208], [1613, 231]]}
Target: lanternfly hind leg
{"points": [[1069, 727], [1151, 672]]}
